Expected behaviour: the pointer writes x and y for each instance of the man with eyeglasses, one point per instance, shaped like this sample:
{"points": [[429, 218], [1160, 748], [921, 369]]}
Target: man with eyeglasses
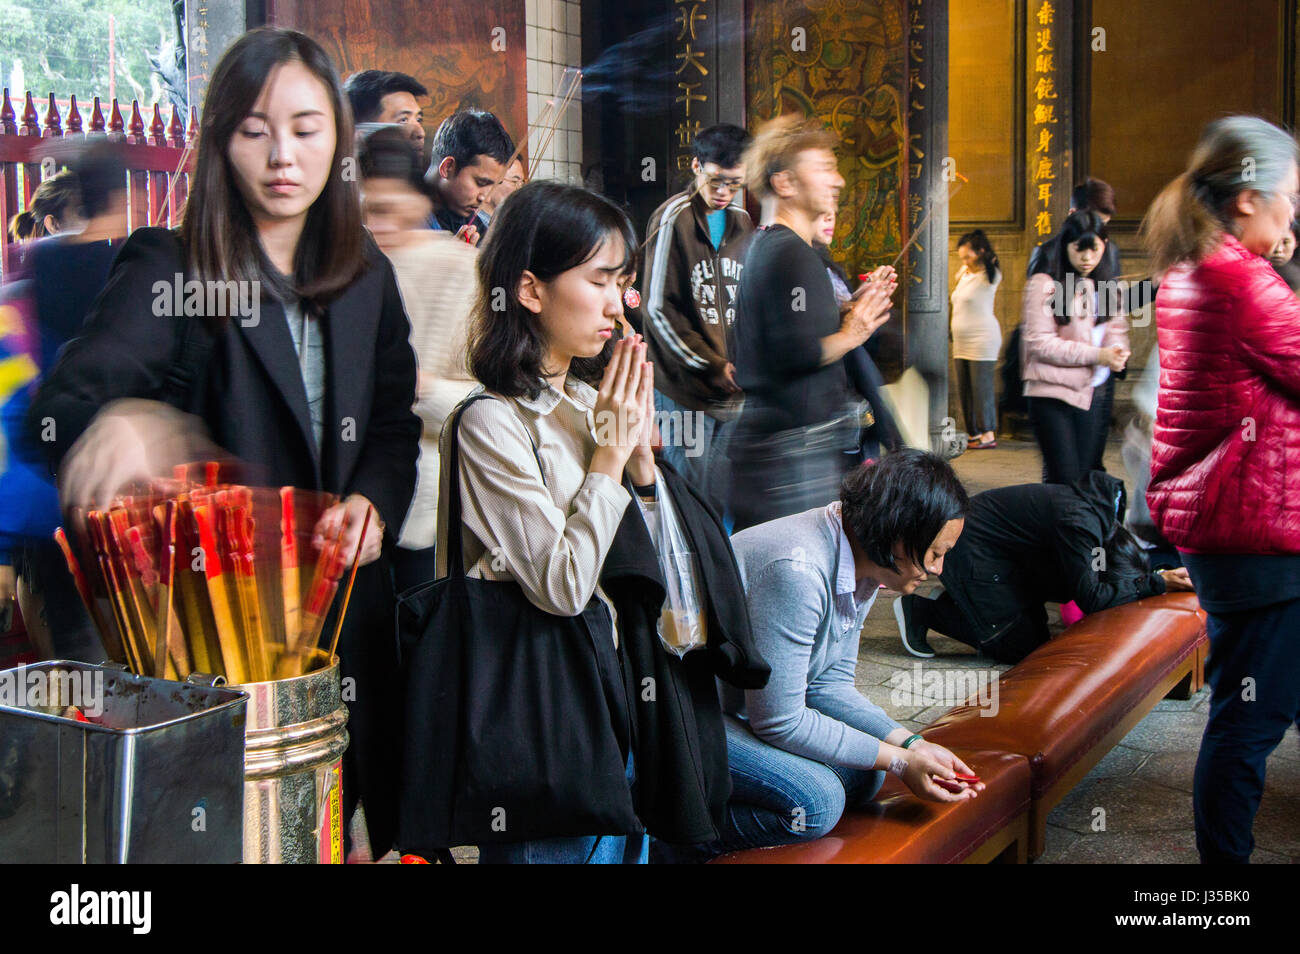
{"points": [[694, 253]]}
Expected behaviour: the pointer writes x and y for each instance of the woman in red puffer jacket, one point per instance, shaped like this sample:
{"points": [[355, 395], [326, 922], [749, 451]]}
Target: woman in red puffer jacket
{"points": [[1225, 466]]}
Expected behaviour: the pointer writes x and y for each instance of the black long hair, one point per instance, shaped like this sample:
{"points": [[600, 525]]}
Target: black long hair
{"points": [[1086, 228], [218, 231], [979, 244], [545, 228], [905, 498], [1125, 558]]}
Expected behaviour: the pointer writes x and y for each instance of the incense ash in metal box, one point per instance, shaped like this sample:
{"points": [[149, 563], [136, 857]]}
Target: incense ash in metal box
{"points": [[155, 776]]}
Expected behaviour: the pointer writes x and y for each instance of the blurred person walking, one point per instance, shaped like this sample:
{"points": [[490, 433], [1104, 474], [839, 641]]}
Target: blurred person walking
{"points": [[788, 450], [1226, 449]]}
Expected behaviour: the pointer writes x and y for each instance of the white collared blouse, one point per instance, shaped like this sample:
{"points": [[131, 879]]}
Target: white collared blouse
{"points": [[549, 530]]}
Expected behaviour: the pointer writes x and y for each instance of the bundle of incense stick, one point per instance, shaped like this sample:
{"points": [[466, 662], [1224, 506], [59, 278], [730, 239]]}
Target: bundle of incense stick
{"points": [[210, 577], [548, 120]]}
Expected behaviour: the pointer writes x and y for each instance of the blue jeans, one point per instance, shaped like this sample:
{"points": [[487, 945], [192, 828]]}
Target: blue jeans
{"points": [[704, 463], [582, 850], [779, 798], [1263, 645]]}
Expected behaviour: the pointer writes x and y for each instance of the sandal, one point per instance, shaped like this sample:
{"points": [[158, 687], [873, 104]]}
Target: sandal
{"points": [[985, 445]]}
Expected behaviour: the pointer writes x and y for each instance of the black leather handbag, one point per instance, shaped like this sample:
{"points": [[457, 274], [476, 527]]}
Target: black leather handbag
{"points": [[517, 722]]}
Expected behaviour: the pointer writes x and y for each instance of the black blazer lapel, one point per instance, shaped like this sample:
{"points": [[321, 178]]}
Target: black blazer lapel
{"points": [[271, 342]]}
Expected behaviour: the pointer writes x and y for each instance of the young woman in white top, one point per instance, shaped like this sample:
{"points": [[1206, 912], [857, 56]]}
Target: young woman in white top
{"points": [[976, 336], [551, 276]]}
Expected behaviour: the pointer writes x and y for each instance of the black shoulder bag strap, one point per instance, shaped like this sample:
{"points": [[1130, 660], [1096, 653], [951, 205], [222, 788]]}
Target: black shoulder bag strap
{"points": [[456, 553]]}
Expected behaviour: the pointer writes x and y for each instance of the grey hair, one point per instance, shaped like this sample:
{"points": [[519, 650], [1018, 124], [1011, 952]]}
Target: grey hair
{"points": [[1235, 154]]}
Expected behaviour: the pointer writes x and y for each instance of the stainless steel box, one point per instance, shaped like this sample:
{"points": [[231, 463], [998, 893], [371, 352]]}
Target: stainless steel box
{"points": [[158, 777]]}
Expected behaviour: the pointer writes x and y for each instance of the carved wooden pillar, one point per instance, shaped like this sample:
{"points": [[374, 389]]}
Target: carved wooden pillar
{"points": [[925, 271], [1049, 119]]}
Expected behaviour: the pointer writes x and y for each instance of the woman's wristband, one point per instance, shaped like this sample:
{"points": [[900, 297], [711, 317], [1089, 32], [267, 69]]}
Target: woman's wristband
{"points": [[646, 492], [907, 742]]}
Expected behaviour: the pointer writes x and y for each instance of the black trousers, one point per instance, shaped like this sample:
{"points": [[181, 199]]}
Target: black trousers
{"points": [[975, 388], [788, 472], [944, 616], [1254, 673], [1072, 440], [1103, 400]]}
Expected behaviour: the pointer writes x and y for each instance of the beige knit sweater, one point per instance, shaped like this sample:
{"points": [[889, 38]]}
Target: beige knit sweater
{"points": [[437, 278]]}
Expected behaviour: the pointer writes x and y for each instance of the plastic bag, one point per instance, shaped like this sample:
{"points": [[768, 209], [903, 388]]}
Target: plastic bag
{"points": [[681, 624]]}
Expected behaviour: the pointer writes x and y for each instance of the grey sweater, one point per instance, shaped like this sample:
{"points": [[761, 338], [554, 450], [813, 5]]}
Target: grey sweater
{"points": [[798, 576]]}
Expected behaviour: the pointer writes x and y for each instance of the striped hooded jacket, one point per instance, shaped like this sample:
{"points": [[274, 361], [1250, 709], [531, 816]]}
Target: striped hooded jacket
{"points": [[690, 297]]}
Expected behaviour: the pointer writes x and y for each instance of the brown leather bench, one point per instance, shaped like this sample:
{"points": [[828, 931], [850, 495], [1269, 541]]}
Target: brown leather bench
{"points": [[1072, 700], [899, 828], [1060, 710]]}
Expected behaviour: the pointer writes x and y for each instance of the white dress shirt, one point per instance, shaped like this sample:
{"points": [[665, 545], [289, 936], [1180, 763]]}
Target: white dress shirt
{"points": [[550, 530]]}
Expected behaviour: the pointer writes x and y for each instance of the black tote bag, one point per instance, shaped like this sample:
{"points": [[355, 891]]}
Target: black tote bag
{"points": [[516, 720]]}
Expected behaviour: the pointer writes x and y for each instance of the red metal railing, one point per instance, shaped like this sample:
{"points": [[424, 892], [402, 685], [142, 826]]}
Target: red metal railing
{"points": [[157, 159]]}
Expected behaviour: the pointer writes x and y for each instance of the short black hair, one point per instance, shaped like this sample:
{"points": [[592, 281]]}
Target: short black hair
{"points": [[723, 144], [1094, 195], [467, 134], [101, 172], [367, 89], [387, 153], [546, 228], [905, 498]]}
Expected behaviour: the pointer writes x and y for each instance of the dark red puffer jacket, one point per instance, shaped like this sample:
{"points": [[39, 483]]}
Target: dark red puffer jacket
{"points": [[1225, 463]]}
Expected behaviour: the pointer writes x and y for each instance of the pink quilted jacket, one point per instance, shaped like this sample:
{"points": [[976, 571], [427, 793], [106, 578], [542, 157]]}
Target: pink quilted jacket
{"points": [[1225, 463], [1058, 361]]}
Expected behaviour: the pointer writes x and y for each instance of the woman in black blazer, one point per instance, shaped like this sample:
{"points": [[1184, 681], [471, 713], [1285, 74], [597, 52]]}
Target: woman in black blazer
{"points": [[303, 373]]}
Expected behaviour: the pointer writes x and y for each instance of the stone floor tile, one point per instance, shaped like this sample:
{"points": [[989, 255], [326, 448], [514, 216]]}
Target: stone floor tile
{"points": [[1119, 762], [1168, 732], [1132, 847], [1277, 824], [872, 673], [1170, 769], [1057, 843], [1130, 805]]}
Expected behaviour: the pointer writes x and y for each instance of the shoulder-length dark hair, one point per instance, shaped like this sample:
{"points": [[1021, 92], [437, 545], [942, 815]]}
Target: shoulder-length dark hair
{"points": [[1086, 228], [545, 228], [218, 232], [1126, 562], [979, 244], [905, 498]]}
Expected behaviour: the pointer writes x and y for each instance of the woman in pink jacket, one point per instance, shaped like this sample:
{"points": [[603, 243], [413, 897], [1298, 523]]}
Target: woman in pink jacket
{"points": [[1070, 344], [1225, 460]]}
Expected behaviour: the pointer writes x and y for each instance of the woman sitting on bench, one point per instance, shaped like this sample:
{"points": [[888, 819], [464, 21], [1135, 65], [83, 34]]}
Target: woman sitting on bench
{"points": [[809, 744], [1027, 545]]}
